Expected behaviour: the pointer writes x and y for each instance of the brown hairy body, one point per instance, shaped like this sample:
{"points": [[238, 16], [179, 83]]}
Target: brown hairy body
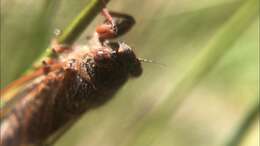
{"points": [[80, 80]]}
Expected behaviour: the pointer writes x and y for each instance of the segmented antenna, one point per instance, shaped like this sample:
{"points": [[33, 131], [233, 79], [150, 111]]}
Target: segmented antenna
{"points": [[150, 61]]}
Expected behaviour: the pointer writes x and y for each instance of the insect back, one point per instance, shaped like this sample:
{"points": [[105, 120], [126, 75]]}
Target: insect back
{"points": [[80, 80]]}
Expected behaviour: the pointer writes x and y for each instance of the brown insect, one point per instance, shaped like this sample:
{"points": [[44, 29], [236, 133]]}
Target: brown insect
{"points": [[53, 97]]}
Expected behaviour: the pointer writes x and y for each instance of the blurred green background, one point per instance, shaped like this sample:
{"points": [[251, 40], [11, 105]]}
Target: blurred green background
{"points": [[146, 111]]}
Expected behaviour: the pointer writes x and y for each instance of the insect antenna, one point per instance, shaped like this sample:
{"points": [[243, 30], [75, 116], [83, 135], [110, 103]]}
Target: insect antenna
{"points": [[151, 61]]}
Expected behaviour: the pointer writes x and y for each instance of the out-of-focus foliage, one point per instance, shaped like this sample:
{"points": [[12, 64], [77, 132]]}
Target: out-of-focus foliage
{"points": [[170, 32]]}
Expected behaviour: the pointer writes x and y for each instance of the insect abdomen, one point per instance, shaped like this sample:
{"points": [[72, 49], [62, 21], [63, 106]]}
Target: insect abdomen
{"points": [[61, 97]]}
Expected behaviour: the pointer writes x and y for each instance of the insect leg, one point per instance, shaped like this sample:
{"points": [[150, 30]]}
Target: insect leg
{"points": [[58, 48], [123, 22], [107, 15], [116, 24]]}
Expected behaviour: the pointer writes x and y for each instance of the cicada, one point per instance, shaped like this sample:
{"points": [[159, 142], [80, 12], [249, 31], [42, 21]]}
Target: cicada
{"points": [[54, 96]]}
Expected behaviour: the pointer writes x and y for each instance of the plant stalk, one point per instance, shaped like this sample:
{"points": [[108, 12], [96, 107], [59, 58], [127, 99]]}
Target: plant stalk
{"points": [[75, 28], [154, 123], [244, 127]]}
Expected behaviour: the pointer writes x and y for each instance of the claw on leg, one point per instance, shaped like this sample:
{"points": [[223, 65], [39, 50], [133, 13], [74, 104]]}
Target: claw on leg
{"points": [[59, 48]]}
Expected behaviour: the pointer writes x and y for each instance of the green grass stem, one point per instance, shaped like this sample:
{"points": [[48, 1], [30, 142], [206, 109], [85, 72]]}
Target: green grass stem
{"points": [[76, 27], [215, 49], [244, 126]]}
